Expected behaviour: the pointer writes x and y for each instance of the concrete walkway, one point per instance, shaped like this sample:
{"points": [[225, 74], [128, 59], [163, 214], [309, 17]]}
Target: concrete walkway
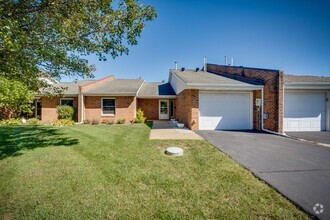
{"points": [[163, 130]]}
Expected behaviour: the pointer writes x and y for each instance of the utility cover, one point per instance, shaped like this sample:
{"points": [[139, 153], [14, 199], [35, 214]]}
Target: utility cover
{"points": [[174, 151]]}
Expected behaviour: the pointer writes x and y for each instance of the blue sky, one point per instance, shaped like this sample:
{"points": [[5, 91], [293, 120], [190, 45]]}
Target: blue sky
{"points": [[291, 35]]}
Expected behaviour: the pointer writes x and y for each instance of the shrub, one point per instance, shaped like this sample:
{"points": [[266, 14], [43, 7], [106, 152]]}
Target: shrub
{"points": [[110, 122], [139, 117], [33, 121], [107, 122], [11, 121], [86, 121], [63, 122], [65, 112], [121, 121], [95, 122], [104, 121]]}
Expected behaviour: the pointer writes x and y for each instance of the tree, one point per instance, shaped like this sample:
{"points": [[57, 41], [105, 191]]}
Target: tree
{"points": [[50, 38], [15, 98]]}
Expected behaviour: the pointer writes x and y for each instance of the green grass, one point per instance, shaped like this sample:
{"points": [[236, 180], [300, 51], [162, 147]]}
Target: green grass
{"points": [[116, 172]]}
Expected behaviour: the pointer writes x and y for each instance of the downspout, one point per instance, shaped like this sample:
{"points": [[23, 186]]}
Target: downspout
{"points": [[262, 116], [82, 108], [262, 108], [81, 97]]}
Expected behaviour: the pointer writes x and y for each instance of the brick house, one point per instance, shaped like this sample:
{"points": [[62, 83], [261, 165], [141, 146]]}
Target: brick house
{"points": [[223, 97], [109, 99]]}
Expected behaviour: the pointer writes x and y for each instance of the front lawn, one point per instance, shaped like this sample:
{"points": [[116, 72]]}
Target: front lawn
{"points": [[116, 172]]}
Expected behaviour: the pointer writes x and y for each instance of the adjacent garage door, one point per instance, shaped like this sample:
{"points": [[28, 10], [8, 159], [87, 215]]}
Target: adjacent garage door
{"points": [[224, 111], [304, 111]]}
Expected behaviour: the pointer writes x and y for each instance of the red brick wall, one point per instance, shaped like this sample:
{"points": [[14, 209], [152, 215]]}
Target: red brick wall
{"points": [[273, 90], [150, 108], [125, 108], [48, 108], [186, 110], [85, 88]]}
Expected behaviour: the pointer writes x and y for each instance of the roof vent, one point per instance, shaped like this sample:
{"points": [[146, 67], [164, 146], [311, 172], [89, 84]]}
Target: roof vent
{"points": [[205, 65], [197, 69], [183, 69]]}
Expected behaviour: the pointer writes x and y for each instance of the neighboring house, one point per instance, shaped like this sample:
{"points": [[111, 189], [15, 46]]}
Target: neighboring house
{"points": [[110, 99], [306, 103], [223, 97], [290, 103]]}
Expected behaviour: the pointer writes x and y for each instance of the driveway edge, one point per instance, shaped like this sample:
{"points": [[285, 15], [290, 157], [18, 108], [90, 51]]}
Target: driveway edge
{"points": [[312, 216], [307, 141]]}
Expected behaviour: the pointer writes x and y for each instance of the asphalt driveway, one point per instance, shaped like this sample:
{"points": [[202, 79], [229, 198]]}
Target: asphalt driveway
{"points": [[299, 170], [316, 136]]}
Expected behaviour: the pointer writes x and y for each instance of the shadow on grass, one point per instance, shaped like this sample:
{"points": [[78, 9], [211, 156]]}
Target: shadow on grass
{"points": [[16, 138]]}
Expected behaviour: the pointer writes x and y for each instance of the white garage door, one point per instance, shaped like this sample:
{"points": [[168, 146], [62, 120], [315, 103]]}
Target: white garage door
{"points": [[304, 111], [224, 111]]}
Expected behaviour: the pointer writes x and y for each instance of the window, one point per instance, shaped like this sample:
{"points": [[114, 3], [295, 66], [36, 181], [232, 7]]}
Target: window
{"points": [[108, 106], [67, 101]]}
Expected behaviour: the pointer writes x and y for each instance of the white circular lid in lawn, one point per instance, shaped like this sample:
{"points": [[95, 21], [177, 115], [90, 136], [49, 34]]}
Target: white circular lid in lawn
{"points": [[174, 151]]}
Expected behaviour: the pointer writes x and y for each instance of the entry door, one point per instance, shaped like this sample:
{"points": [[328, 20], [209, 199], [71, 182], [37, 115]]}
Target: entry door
{"points": [[163, 109]]}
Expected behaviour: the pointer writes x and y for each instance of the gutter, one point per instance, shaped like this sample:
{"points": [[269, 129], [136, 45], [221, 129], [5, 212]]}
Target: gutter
{"points": [[223, 86], [157, 97], [110, 94], [307, 85], [56, 95]]}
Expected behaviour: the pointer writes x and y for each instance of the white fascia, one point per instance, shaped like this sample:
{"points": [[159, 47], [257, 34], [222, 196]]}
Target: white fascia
{"points": [[111, 94], [307, 86], [223, 86], [137, 93], [157, 97]]}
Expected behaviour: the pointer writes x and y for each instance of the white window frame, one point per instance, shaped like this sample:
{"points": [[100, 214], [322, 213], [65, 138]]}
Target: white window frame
{"points": [[67, 99], [102, 114]]}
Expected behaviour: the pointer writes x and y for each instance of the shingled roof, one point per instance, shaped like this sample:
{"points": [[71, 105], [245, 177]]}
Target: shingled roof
{"points": [[305, 79], [156, 89], [128, 87], [67, 88], [191, 77]]}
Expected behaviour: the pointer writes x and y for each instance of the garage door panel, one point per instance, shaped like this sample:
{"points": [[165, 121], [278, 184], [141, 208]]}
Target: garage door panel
{"points": [[233, 125], [293, 124], [224, 111], [304, 111]]}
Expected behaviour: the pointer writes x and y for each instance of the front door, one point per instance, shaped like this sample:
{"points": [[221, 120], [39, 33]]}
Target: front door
{"points": [[163, 109], [172, 109]]}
